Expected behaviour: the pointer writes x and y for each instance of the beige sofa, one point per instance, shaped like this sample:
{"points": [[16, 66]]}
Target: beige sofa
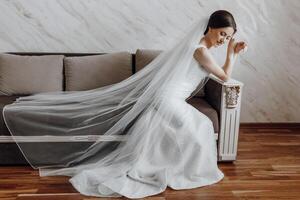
{"points": [[23, 74]]}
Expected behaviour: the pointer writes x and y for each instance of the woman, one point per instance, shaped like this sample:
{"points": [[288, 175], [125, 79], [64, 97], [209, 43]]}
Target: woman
{"points": [[221, 28], [168, 142]]}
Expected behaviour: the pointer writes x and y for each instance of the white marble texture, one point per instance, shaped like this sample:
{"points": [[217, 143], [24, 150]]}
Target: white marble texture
{"points": [[270, 69]]}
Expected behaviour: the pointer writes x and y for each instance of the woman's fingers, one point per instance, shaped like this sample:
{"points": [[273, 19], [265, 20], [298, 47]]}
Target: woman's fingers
{"points": [[243, 45], [231, 42], [236, 47], [231, 47], [240, 46]]}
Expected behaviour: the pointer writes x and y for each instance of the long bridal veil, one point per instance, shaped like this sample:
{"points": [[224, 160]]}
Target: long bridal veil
{"points": [[132, 108]]}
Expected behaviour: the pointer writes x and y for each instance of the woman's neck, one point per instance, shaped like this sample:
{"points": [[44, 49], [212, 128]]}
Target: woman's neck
{"points": [[205, 41]]}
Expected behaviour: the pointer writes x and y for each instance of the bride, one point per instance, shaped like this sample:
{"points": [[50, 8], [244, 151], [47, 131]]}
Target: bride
{"points": [[168, 142]]}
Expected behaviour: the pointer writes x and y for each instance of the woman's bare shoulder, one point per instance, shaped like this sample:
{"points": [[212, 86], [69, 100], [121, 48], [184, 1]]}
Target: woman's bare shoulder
{"points": [[201, 51]]}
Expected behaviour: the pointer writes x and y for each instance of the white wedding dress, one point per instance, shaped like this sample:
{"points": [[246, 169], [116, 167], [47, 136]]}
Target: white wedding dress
{"points": [[193, 166], [169, 142]]}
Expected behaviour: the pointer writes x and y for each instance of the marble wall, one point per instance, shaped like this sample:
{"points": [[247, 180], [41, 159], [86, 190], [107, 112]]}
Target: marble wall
{"points": [[270, 69]]}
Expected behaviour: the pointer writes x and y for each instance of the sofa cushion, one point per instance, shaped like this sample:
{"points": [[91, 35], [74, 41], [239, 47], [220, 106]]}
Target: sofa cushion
{"points": [[90, 72], [144, 56], [202, 105], [5, 100], [30, 74]]}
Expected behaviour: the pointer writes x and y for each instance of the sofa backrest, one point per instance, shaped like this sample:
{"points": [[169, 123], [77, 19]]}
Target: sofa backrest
{"points": [[90, 72], [70, 71], [110, 67], [22, 75], [144, 57]]}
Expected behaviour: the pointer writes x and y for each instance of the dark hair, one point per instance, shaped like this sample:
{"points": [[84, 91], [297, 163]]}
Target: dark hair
{"points": [[221, 19]]}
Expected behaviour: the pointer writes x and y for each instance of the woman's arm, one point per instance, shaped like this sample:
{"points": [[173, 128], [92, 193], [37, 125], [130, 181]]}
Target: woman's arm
{"points": [[206, 60], [203, 56]]}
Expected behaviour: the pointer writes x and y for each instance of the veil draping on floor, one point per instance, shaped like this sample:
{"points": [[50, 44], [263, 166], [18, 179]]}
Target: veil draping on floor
{"points": [[134, 107]]}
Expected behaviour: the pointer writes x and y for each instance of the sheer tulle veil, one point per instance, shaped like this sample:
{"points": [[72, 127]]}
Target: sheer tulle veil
{"points": [[132, 108]]}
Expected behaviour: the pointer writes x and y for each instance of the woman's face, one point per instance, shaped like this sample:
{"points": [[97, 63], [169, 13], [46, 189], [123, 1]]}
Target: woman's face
{"points": [[218, 36]]}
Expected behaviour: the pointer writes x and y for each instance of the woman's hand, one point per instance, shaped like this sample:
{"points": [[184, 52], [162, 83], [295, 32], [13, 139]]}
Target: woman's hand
{"points": [[239, 46], [235, 47], [230, 48]]}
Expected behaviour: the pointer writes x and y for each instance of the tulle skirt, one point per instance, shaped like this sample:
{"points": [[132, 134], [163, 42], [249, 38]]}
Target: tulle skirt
{"points": [[184, 157]]}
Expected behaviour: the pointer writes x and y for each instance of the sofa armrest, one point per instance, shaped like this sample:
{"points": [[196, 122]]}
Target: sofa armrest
{"points": [[225, 97]]}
